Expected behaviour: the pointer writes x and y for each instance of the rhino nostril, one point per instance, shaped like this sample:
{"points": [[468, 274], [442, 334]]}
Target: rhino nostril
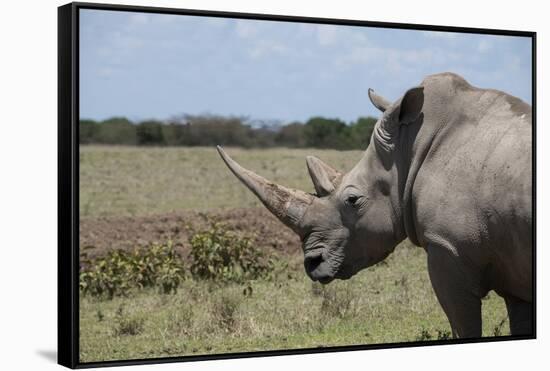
{"points": [[312, 262]]}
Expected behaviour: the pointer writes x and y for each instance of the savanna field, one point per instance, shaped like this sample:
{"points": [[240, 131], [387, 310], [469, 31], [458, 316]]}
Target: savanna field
{"points": [[179, 258]]}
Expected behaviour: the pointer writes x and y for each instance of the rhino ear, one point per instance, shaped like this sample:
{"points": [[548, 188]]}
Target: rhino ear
{"points": [[379, 102], [410, 106], [325, 178], [405, 111]]}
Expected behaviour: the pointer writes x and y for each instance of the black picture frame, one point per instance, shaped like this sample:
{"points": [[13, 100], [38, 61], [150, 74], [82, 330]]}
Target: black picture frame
{"points": [[68, 178]]}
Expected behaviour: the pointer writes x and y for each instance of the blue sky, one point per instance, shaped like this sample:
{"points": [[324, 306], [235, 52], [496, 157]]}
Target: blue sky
{"points": [[145, 66]]}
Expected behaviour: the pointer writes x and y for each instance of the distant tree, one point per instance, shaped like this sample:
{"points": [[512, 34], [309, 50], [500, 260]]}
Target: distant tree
{"points": [[212, 130], [291, 135], [361, 131], [150, 133], [88, 130], [262, 137], [321, 132], [174, 133], [117, 130]]}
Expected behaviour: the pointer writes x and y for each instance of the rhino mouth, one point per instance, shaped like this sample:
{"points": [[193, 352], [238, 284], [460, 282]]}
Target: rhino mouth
{"points": [[318, 266]]}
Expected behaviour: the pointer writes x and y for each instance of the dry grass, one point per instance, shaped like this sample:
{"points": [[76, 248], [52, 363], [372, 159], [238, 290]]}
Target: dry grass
{"points": [[117, 180]]}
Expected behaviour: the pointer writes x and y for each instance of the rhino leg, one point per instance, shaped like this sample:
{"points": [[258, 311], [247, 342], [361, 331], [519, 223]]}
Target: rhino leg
{"points": [[457, 296], [520, 314]]}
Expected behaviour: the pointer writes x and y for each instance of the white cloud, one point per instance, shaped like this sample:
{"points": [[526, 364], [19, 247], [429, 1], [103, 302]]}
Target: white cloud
{"points": [[265, 48], [361, 54], [514, 62], [246, 29], [105, 72], [127, 41], [380, 55], [172, 43], [216, 22], [484, 46], [327, 34], [168, 18], [440, 35], [140, 18]]}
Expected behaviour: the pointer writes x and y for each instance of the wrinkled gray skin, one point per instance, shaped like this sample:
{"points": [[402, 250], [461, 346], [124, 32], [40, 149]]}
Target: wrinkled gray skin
{"points": [[449, 167]]}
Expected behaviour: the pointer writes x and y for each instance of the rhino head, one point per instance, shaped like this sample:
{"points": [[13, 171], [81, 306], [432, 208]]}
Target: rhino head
{"points": [[354, 220]]}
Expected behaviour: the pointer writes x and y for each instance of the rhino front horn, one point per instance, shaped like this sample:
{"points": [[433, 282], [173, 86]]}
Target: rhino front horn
{"points": [[289, 205]]}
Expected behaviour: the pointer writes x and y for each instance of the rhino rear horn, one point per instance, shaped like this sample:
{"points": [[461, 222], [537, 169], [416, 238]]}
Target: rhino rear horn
{"points": [[289, 205], [325, 179], [378, 101]]}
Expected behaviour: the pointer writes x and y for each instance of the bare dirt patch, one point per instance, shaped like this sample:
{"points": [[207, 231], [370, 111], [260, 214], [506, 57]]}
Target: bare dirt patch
{"points": [[107, 233]]}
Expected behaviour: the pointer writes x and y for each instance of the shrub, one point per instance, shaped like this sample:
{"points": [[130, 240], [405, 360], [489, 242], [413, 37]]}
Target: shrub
{"points": [[426, 335], [443, 334], [220, 255], [120, 271]]}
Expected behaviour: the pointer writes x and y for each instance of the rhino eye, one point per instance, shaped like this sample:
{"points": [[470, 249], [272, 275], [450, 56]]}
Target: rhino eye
{"points": [[351, 200]]}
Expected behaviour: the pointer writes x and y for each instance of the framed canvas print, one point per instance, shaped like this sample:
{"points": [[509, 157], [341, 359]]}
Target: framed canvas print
{"points": [[240, 185]]}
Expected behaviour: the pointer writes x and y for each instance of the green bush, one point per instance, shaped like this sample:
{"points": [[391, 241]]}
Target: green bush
{"points": [[120, 271], [116, 130], [88, 131], [220, 255], [291, 135], [426, 335], [361, 132], [323, 132], [150, 133]]}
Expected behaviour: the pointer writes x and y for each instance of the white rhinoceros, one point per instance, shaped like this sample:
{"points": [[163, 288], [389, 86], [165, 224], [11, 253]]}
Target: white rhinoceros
{"points": [[449, 166]]}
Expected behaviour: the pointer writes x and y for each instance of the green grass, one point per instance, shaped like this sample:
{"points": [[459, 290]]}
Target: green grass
{"points": [[391, 302], [124, 181]]}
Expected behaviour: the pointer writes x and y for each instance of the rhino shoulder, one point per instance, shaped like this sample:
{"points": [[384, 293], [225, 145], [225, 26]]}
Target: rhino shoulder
{"points": [[451, 85], [447, 79]]}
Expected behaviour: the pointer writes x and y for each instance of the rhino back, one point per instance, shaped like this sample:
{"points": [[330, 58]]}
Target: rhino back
{"points": [[474, 186]]}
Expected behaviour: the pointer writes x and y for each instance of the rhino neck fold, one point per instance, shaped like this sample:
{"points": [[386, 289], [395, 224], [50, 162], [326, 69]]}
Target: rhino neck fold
{"points": [[384, 138], [415, 144]]}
